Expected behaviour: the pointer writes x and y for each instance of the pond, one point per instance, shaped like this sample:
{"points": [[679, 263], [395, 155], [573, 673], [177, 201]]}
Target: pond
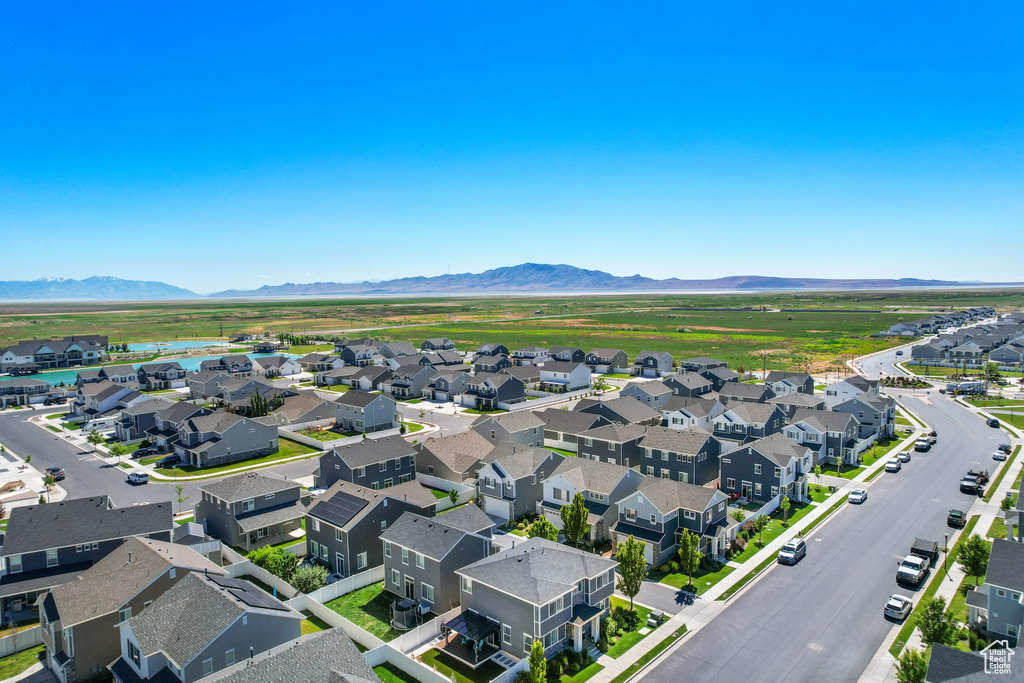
{"points": [[155, 347]]}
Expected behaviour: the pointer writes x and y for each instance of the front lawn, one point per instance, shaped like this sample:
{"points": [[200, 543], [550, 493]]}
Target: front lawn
{"points": [[413, 400], [55, 416], [998, 528], [774, 529], [819, 494], [617, 375], [286, 449], [56, 430], [474, 411], [702, 580], [631, 638], [12, 665], [448, 666], [368, 608], [584, 675], [412, 427], [848, 471], [321, 434]]}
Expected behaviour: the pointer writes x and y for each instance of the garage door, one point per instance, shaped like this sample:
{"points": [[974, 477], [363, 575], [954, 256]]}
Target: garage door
{"points": [[648, 548], [496, 507]]}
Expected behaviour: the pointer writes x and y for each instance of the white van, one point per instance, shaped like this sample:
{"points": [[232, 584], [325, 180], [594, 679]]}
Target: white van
{"points": [[138, 477]]}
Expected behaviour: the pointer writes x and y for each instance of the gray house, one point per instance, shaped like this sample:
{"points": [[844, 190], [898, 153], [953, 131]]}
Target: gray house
{"points": [[343, 525], [652, 364], [396, 349], [829, 435], [782, 383], [437, 344], [206, 383], [763, 469], [652, 394], [167, 375], [447, 384], [719, 376], [608, 361], [529, 355], [485, 391], [569, 354], [199, 626], [522, 427], [422, 554], [538, 590], [220, 438], [562, 428], [733, 392], [139, 420], [250, 510], [688, 455], [370, 378], [302, 409], [360, 411], [701, 363], [689, 384], [491, 364], [624, 409], [22, 391], [876, 414], [790, 403], [680, 412], [742, 421], [600, 484], [616, 443], [510, 479], [372, 463], [492, 350], [409, 381], [997, 606], [454, 458]]}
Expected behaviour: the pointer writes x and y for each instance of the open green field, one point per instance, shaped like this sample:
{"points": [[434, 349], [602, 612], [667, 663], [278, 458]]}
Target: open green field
{"points": [[816, 338]]}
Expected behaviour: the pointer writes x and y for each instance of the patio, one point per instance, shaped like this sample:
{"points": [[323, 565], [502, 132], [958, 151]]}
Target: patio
{"points": [[468, 638]]}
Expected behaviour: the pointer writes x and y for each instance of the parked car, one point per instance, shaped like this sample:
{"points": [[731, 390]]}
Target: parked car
{"points": [[138, 478], [971, 484], [1004, 447], [143, 452], [956, 519], [992, 422], [898, 607], [923, 444], [893, 465], [912, 569], [998, 455], [793, 551], [933, 433], [942, 391], [857, 496], [55, 400], [56, 472], [903, 456], [170, 461], [899, 353]]}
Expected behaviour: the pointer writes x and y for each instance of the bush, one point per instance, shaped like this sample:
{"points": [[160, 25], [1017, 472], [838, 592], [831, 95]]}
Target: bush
{"points": [[611, 627], [674, 564], [555, 668], [277, 561], [309, 578], [664, 568], [145, 443], [523, 677]]}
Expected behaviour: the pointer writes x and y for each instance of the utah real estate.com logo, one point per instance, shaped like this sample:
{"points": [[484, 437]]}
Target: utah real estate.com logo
{"points": [[997, 656]]}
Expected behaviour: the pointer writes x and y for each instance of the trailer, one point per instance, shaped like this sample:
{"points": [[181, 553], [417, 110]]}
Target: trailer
{"points": [[925, 548]]}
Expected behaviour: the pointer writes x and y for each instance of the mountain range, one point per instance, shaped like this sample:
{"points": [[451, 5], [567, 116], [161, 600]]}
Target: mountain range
{"points": [[524, 278]]}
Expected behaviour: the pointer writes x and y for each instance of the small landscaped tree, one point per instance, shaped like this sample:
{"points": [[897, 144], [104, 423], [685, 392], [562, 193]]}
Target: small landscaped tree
{"points": [[935, 624], [817, 473], [309, 578], [119, 450], [690, 554], [453, 496], [538, 664], [181, 498], [1005, 504], [48, 482], [760, 524], [544, 528], [785, 505], [738, 515], [839, 465], [600, 385], [574, 519], [95, 439], [911, 667], [973, 557], [632, 567]]}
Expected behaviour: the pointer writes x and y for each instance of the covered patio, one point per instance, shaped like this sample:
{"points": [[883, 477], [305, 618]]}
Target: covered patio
{"points": [[469, 638]]}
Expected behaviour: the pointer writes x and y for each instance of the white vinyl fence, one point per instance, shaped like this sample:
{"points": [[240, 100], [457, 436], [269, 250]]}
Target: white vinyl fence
{"points": [[348, 584], [22, 640]]}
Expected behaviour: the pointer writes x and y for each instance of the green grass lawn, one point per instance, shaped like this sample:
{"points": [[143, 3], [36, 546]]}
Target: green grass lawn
{"points": [[775, 529], [439, 494], [988, 402], [584, 675], [631, 638], [286, 449], [998, 528], [323, 434], [13, 665], [336, 388], [313, 623], [55, 416], [389, 673], [819, 494], [560, 451], [702, 580], [412, 427], [617, 375], [302, 350], [52, 428], [125, 465], [369, 608], [454, 508], [632, 669], [412, 400], [991, 488], [448, 666], [183, 520], [474, 411], [848, 471]]}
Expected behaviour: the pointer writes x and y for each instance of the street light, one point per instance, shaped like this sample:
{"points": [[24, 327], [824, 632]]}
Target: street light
{"points": [[945, 553]]}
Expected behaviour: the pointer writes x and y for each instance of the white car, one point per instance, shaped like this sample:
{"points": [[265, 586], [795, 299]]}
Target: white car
{"points": [[857, 496], [138, 477], [904, 456], [893, 465], [898, 607], [999, 455]]}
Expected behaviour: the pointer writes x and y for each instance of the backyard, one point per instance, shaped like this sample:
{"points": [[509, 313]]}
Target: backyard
{"points": [[450, 666], [369, 608]]}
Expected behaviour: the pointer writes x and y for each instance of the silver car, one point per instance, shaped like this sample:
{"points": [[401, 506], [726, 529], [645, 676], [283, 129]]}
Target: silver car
{"points": [[898, 607], [857, 496], [904, 456], [793, 551], [893, 465]]}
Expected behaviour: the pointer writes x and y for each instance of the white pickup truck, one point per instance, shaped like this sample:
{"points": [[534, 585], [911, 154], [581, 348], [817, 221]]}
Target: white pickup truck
{"points": [[912, 569]]}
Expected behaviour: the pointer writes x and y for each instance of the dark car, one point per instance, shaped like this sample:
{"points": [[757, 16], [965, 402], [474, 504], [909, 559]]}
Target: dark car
{"points": [[1004, 447], [956, 518], [56, 472], [992, 422], [143, 452], [169, 461], [54, 400]]}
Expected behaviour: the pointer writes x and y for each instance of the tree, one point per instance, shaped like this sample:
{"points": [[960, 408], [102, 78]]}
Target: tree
{"points": [[28, 460], [1005, 504], [632, 567], [277, 561], [936, 626], [973, 557], [839, 465], [119, 449], [453, 496], [94, 438], [181, 499], [690, 554], [760, 524], [309, 578], [738, 515], [48, 482], [538, 665], [817, 473], [600, 385], [785, 505], [543, 528], [574, 519], [911, 667]]}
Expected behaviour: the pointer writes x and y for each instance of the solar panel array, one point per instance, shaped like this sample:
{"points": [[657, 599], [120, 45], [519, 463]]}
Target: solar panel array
{"points": [[249, 594], [339, 508]]}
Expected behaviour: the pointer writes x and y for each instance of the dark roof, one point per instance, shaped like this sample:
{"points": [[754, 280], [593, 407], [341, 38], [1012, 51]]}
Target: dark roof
{"points": [[459, 451], [80, 520], [591, 475], [327, 656], [468, 518], [372, 451], [428, 536], [616, 432], [518, 460], [950, 664], [1004, 565], [740, 389], [345, 503], [40, 579], [758, 413], [360, 399], [518, 421], [698, 406], [669, 495], [627, 408], [777, 448], [689, 440], [569, 421], [247, 485]]}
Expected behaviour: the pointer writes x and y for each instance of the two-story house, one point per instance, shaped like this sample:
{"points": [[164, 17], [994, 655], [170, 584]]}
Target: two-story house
{"points": [[875, 413], [522, 427], [719, 376], [558, 376], [437, 344], [735, 392], [828, 434], [680, 412], [139, 420], [623, 409], [492, 349], [608, 361], [202, 624], [701, 363], [219, 438], [454, 458], [50, 544], [763, 469], [359, 354], [371, 463], [165, 375], [562, 428], [790, 403], [997, 606], [652, 394], [97, 398], [491, 364], [652, 364], [660, 510], [120, 374], [447, 384], [689, 455], [299, 410], [316, 362], [206, 383], [370, 378], [600, 483], [782, 383], [344, 524], [851, 387], [361, 411], [742, 421], [511, 476], [538, 590], [422, 554], [277, 366], [236, 365], [616, 443], [484, 391], [688, 384], [250, 510], [408, 381], [529, 355], [79, 618], [23, 391]]}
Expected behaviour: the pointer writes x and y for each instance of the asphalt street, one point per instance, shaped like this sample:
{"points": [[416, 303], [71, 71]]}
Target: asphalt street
{"points": [[822, 619]]}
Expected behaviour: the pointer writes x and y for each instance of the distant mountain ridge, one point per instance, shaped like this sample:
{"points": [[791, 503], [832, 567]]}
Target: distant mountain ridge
{"points": [[96, 288], [524, 278]]}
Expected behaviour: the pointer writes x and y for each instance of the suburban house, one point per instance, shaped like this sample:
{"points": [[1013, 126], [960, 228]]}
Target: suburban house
{"points": [[851, 387], [119, 374], [491, 364], [202, 624], [680, 412], [342, 375], [442, 358], [484, 391], [447, 384], [359, 354], [762, 469], [600, 483], [277, 366], [408, 381], [828, 434], [652, 364], [719, 376], [529, 355], [360, 411], [538, 590], [931, 352], [50, 544], [343, 525], [790, 403], [301, 409], [522, 427], [219, 438], [153, 419], [206, 383], [562, 428], [250, 510], [968, 354], [370, 378], [370, 463], [734, 392], [417, 358], [876, 414], [241, 337], [527, 374], [396, 349], [79, 618], [510, 481], [560, 376], [236, 365], [317, 361], [167, 375], [422, 554], [569, 354], [782, 383], [653, 394], [96, 398], [688, 455], [1008, 354], [616, 443], [660, 510], [742, 421], [624, 409], [437, 344], [492, 350], [688, 384], [68, 352], [269, 346], [997, 605], [701, 363], [454, 458], [608, 361], [22, 391]]}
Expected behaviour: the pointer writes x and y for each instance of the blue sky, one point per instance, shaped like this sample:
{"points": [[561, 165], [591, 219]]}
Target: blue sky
{"points": [[217, 145]]}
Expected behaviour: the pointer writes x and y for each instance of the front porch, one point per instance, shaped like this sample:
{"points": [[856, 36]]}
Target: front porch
{"points": [[584, 627]]}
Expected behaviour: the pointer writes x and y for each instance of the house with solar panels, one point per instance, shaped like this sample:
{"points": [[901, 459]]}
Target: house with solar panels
{"points": [[199, 626], [344, 524]]}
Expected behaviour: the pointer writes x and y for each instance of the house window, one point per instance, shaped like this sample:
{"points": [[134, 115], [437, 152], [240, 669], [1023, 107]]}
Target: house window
{"points": [[467, 585], [664, 456], [51, 558], [778, 472], [229, 657], [248, 505], [396, 577], [730, 483], [430, 469], [506, 634], [389, 482], [361, 560], [527, 642], [124, 614], [315, 524], [419, 560], [208, 666], [757, 489], [78, 548], [689, 514], [650, 470], [387, 549], [134, 654], [775, 491], [405, 556], [630, 515], [1011, 630], [269, 496], [337, 534], [384, 466], [654, 519], [360, 471], [757, 469], [375, 485]]}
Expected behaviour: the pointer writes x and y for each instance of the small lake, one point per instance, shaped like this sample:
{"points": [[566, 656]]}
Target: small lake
{"points": [[154, 347]]}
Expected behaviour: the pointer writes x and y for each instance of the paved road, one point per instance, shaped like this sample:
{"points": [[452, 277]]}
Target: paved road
{"points": [[822, 619]]}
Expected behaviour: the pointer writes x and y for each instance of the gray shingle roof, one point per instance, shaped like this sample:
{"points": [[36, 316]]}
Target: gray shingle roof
{"points": [[794, 377], [796, 399], [459, 451], [428, 536], [1005, 565], [947, 664], [247, 485], [561, 366], [749, 412], [591, 475], [78, 520], [823, 420], [360, 399], [373, 451], [468, 518], [615, 432], [569, 421], [518, 460], [628, 407], [652, 388], [689, 440], [740, 390], [518, 421], [694, 405], [537, 570], [690, 380], [323, 508], [669, 495], [777, 448]]}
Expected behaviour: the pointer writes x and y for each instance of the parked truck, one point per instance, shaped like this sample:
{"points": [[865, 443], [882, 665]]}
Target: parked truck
{"points": [[914, 566], [965, 388], [974, 482]]}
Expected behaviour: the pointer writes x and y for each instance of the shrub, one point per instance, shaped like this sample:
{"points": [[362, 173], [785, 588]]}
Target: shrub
{"points": [[309, 578], [277, 561], [674, 564], [555, 668], [664, 568], [145, 443], [611, 626], [523, 677]]}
